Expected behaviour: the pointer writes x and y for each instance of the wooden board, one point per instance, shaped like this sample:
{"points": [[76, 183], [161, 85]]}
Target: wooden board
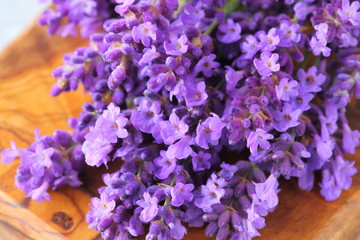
{"points": [[25, 103]]}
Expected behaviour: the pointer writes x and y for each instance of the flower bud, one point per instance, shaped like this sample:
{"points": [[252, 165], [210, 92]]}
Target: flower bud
{"points": [[211, 229], [209, 217], [224, 218], [222, 234]]}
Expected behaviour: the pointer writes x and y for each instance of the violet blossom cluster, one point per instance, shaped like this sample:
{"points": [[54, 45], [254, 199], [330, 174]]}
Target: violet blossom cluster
{"points": [[49, 163], [206, 104], [65, 16]]}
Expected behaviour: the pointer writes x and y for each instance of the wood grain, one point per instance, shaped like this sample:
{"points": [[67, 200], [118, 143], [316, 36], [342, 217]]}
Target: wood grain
{"points": [[25, 81], [25, 103]]}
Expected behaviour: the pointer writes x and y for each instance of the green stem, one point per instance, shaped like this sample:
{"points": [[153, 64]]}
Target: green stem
{"points": [[211, 27], [306, 59], [317, 60], [167, 199], [68, 151], [181, 4], [230, 7], [249, 170], [218, 86]]}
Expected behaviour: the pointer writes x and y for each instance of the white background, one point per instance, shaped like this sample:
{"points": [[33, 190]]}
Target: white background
{"points": [[16, 15]]}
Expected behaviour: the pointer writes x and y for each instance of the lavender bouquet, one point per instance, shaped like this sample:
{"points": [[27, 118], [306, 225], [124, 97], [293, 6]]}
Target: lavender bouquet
{"points": [[206, 104]]}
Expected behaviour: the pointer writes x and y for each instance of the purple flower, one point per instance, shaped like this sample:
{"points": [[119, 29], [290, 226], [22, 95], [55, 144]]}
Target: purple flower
{"points": [[101, 211], [180, 193], [176, 46], [343, 170], [206, 65], [286, 118], [111, 124], [336, 176], [347, 40], [349, 13], [268, 191], [269, 41], [324, 147], [194, 216], [286, 89], [211, 193], [350, 139], [318, 43], [136, 227], [319, 46], [310, 81], [38, 160], [306, 179], [173, 130], [103, 206], [96, 148], [302, 10], [195, 95], [146, 115], [123, 6], [144, 32], [252, 222], [201, 161], [267, 64], [178, 231], [209, 131], [165, 165], [231, 32], [289, 33], [232, 78], [150, 54], [257, 138], [39, 194], [302, 100], [180, 149], [149, 207], [192, 14], [9, 154], [250, 47], [227, 170], [329, 189], [322, 30]]}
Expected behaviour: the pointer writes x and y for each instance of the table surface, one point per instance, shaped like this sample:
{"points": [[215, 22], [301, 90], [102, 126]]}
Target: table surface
{"points": [[25, 103]]}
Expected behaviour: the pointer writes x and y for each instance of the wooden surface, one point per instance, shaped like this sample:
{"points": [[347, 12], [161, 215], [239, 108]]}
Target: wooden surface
{"points": [[25, 104]]}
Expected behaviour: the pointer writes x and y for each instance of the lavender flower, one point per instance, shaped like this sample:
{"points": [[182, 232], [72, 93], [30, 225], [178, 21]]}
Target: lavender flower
{"points": [[258, 138], [349, 12], [231, 31], [267, 64], [180, 193], [286, 89], [173, 130], [166, 165], [209, 131], [310, 81], [267, 191], [9, 154], [210, 194], [143, 33], [206, 65], [149, 207], [176, 46]]}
